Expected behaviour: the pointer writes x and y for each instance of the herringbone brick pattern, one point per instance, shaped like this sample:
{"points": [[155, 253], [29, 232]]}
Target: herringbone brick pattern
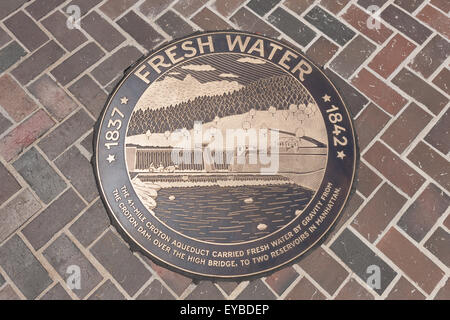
{"points": [[54, 82]]}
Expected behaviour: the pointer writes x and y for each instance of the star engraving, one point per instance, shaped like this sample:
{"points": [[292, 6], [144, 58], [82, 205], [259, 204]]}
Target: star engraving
{"points": [[341, 155], [326, 98], [111, 158], [123, 100]]}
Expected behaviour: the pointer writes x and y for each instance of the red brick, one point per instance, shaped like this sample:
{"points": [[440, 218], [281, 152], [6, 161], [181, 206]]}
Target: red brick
{"points": [[428, 160], [208, 20], [408, 258], [358, 19], [246, 20], [409, 5], [205, 290], [444, 5], [392, 55], [378, 212], [89, 94], [442, 80], [324, 269], [24, 134], [14, 100], [305, 290], [227, 286], [298, 6], [406, 127], [282, 279], [102, 31], [439, 136], [334, 6], [114, 8], [435, 19], [394, 169], [26, 30], [447, 222], [444, 292], [431, 56], [383, 95], [439, 244], [354, 291], [226, 8], [404, 290], [188, 7], [152, 8], [369, 123], [321, 51], [366, 180]]}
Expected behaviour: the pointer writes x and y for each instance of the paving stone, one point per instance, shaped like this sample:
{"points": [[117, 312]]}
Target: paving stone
{"points": [[410, 260], [358, 19], [404, 290], [377, 90], [87, 143], [14, 99], [152, 8], [5, 123], [227, 286], [446, 222], [409, 5], [174, 25], [321, 51], [442, 80], [444, 292], [114, 66], [62, 254], [226, 8], [261, 7], [329, 25], [9, 185], [394, 168], [2, 281], [114, 8], [208, 20], [373, 219], [90, 225], [367, 3], [85, 5], [7, 293], [78, 170], [188, 7], [352, 290], [4, 37], [353, 55], [140, 30], [435, 19], [305, 290], [77, 63], [406, 127], [354, 100], [102, 31], [9, 6], [16, 212], [406, 24], [366, 180], [10, 54], [350, 208], [441, 4], [324, 269], [40, 8], [282, 279], [334, 6], [392, 55], [369, 123], [42, 178], [70, 39], [359, 258], [205, 290], [125, 267], [244, 19], [294, 28], [420, 90], [89, 94], [60, 212], [52, 97], [256, 290], [438, 244], [155, 291], [26, 30], [439, 136], [298, 6], [65, 134], [431, 56], [107, 291], [56, 293], [21, 266], [432, 163], [24, 134]]}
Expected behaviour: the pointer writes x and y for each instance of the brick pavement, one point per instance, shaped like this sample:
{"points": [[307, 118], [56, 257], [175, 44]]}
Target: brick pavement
{"points": [[55, 80]]}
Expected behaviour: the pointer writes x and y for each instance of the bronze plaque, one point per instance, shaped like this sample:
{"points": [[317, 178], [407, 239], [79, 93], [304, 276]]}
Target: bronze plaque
{"points": [[225, 154]]}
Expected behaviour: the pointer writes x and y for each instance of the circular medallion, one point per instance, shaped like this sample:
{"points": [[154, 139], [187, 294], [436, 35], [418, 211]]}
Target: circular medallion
{"points": [[225, 154]]}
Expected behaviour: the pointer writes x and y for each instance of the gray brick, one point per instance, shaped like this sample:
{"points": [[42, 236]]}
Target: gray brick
{"points": [[247, 20], [205, 290], [85, 5], [8, 6], [8, 293], [368, 3], [56, 293], [261, 7], [42, 178], [40, 8], [63, 253], [40, 230], [173, 25], [290, 25], [256, 290], [65, 134], [358, 257], [107, 291], [155, 291], [4, 123], [9, 184], [2, 280], [329, 25], [23, 268], [118, 259], [10, 55], [89, 94], [91, 224], [26, 30], [102, 31]]}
